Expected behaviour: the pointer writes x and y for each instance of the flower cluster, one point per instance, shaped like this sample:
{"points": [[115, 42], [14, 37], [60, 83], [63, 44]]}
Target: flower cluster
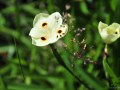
{"points": [[48, 29]]}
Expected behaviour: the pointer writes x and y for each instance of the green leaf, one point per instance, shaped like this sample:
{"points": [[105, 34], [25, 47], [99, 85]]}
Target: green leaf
{"points": [[84, 8], [25, 87], [117, 12], [2, 20], [110, 74], [89, 79], [16, 35], [29, 8], [113, 4], [2, 84]]}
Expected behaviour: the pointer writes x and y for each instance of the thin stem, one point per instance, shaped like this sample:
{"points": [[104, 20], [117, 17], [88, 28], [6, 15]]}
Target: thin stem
{"points": [[61, 62], [17, 10], [19, 59]]}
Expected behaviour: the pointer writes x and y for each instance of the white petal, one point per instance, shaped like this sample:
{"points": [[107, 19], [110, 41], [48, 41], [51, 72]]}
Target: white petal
{"points": [[42, 24], [55, 20], [115, 25], [39, 42], [61, 31], [113, 28], [38, 17], [53, 39], [35, 32], [55, 35], [101, 26], [52, 22]]}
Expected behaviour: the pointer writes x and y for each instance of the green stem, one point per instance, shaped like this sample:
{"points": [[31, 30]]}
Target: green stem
{"points": [[19, 59], [17, 10], [59, 59]]}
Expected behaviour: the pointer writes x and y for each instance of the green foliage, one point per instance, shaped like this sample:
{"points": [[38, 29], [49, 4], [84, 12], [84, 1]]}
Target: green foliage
{"points": [[110, 74], [84, 8], [39, 65]]}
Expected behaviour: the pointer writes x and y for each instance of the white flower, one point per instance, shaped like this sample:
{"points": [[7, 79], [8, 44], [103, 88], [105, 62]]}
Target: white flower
{"points": [[47, 29], [109, 33]]}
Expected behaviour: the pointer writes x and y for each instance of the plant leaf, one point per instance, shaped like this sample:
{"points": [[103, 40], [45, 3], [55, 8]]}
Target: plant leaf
{"points": [[110, 74]]}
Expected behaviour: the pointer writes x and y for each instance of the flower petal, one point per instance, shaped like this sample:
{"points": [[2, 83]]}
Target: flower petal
{"points": [[101, 26], [50, 23], [113, 28], [38, 17], [55, 20], [61, 31], [40, 41], [35, 32]]}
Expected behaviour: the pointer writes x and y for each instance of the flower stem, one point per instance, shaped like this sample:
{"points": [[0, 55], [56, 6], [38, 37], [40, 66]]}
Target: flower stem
{"points": [[105, 57], [61, 62], [105, 52]]}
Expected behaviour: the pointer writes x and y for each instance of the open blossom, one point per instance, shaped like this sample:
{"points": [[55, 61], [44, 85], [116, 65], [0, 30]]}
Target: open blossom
{"points": [[109, 33], [47, 29]]}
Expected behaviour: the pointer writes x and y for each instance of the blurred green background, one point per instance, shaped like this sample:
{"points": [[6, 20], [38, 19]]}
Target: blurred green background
{"points": [[40, 67]]}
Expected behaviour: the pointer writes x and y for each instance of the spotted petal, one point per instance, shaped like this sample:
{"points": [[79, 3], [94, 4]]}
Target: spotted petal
{"points": [[61, 31], [36, 32], [38, 17], [39, 42], [50, 23]]}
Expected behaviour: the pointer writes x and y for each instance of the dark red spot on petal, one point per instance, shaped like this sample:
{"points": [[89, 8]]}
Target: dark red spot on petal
{"points": [[44, 24], [43, 38], [59, 31]]}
